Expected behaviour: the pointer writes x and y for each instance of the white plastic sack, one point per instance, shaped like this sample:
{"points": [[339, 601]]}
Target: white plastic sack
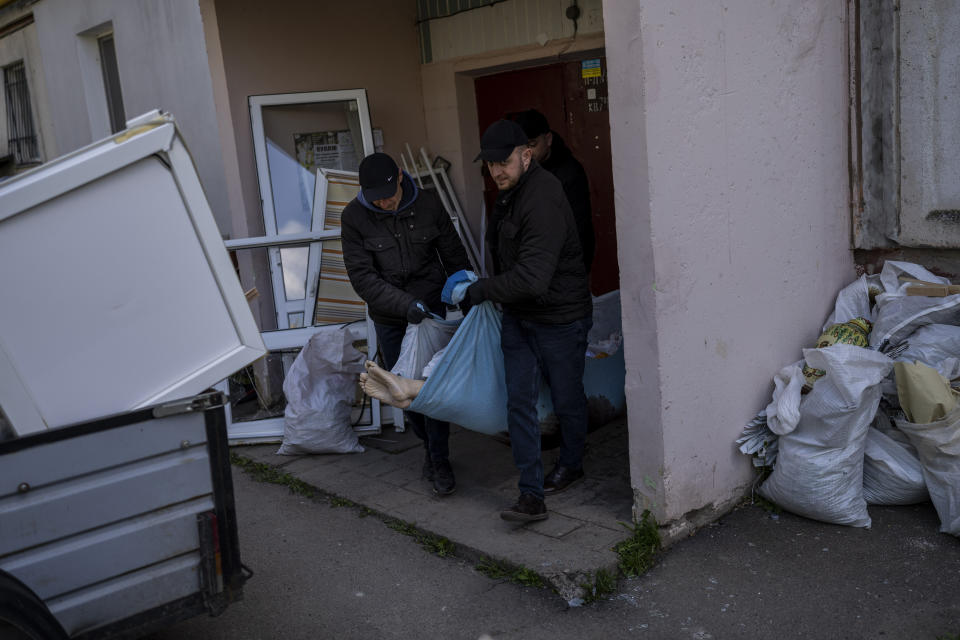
{"points": [[819, 470], [320, 388], [606, 334], [937, 346], [853, 301], [891, 473], [420, 343], [938, 445], [898, 315], [783, 412], [894, 269]]}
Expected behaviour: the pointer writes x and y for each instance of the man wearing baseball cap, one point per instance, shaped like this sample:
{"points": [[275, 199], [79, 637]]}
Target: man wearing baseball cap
{"points": [[552, 153], [541, 282], [399, 247]]}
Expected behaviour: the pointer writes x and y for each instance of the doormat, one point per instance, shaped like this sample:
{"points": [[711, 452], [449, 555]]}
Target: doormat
{"points": [[392, 442]]}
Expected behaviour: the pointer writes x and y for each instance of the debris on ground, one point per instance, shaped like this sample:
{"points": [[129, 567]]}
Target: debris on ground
{"points": [[870, 415]]}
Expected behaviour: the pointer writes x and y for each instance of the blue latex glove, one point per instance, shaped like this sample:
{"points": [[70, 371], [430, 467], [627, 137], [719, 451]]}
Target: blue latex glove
{"points": [[454, 289]]}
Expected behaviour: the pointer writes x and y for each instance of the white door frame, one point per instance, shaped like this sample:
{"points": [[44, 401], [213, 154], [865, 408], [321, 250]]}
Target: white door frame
{"points": [[257, 104]]}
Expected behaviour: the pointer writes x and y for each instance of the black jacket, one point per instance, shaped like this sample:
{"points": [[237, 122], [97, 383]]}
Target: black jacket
{"points": [[571, 175], [539, 266], [394, 258]]}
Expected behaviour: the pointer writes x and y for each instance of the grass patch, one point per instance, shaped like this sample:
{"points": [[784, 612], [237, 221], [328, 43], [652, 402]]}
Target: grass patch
{"points": [[771, 507], [949, 636], [336, 501], [604, 583], [433, 543], [517, 575], [636, 554], [265, 473]]}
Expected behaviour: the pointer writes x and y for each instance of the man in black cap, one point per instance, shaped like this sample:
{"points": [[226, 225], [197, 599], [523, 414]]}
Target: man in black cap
{"points": [[399, 247], [541, 282], [553, 155]]}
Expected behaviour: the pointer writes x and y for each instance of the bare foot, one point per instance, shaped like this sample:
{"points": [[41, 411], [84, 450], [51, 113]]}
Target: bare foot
{"points": [[377, 390], [387, 387]]}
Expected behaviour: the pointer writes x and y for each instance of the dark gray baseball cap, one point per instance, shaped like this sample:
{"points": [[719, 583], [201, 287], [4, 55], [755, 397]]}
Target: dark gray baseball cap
{"points": [[499, 141]]}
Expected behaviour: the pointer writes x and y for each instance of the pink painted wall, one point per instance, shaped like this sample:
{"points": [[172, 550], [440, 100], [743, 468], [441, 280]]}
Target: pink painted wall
{"points": [[320, 46], [730, 166]]}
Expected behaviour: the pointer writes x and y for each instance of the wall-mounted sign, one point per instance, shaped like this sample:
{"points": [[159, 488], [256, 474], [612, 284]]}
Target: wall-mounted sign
{"points": [[591, 68]]}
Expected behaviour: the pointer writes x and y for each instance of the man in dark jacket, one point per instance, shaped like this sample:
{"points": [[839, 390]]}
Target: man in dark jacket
{"points": [[542, 285], [550, 151], [399, 247]]}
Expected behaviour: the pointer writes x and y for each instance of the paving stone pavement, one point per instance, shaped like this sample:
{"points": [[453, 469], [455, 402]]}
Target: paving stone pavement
{"points": [[567, 548]]}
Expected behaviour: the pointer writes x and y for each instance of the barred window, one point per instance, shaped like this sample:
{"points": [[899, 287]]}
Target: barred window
{"points": [[22, 136]]}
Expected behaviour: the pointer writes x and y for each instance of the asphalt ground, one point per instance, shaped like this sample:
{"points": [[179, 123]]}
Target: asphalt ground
{"points": [[339, 572]]}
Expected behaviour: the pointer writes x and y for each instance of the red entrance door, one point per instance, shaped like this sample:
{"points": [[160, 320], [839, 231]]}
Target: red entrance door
{"points": [[573, 97]]}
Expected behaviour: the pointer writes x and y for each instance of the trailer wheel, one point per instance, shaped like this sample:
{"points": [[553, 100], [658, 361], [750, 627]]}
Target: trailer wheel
{"points": [[23, 616]]}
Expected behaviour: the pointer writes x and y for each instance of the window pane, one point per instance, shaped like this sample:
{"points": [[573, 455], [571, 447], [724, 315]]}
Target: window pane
{"points": [[294, 261], [111, 83], [300, 138], [295, 320]]}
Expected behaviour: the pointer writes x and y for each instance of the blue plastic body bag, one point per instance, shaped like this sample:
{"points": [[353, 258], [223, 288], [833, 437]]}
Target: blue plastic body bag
{"points": [[468, 387]]}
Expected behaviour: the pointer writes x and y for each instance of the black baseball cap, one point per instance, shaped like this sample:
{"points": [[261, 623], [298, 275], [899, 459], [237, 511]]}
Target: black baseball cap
{"points": [[532, 122], [378, 177], [499, 141]]}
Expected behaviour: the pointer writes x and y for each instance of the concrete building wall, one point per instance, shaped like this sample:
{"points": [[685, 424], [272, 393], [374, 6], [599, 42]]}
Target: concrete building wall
{"points": [[22, 46], [162, 59], [730, 165], [450, 106], [505, 25]]}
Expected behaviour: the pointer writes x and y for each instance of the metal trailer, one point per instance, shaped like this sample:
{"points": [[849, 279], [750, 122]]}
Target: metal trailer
{"points": [[120, 526]]}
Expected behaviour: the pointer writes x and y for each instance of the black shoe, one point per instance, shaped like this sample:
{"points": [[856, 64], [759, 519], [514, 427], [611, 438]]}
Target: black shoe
{"points": [[561, 478], [427, 468], [443, 481], [528, 508]]}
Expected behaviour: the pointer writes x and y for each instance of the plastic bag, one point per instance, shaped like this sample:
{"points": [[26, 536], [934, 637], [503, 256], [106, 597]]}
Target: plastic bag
{"points": [[420, 343], [783, 412], [938, 446], [819, 470], [892, 474], [898, 315], [320, 388], [468, 385], [937, 346], [853, 301], [606, 335], [893, 270]]}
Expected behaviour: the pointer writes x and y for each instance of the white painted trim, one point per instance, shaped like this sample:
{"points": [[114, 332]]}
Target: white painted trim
{"points": [[102, 159], [305, 237], [16, 401], [184, 174], [74, 170], [256, 105]]}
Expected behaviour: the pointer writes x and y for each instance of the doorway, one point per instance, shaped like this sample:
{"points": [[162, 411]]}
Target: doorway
{"points": [[573, 97]]}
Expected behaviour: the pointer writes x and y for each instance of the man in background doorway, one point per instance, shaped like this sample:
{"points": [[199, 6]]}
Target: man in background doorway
{"points": [[550, 151]]}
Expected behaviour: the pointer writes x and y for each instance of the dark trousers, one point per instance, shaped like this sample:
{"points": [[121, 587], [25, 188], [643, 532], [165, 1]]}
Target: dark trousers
{"points": [[557, 352], [434, 433]]}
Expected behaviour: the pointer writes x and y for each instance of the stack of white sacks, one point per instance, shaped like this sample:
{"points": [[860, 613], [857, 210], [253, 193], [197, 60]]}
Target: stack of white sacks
{"points": [[849, 442]]}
